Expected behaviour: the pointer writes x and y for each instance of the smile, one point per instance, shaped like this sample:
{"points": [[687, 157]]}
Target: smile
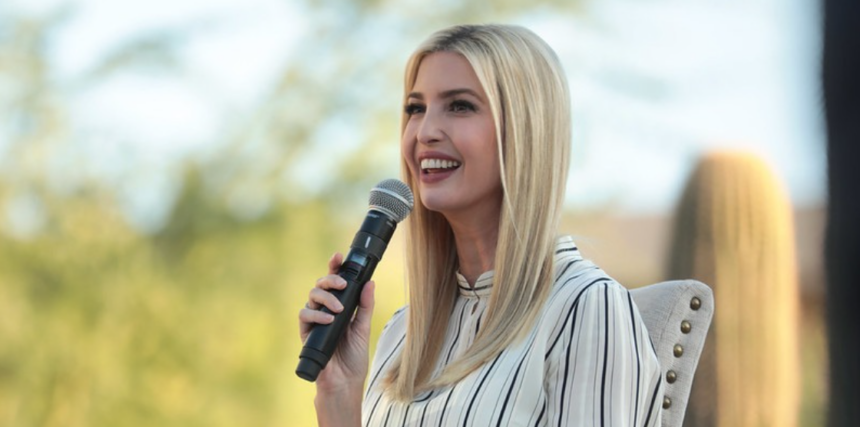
{"points": [[438, 165]]}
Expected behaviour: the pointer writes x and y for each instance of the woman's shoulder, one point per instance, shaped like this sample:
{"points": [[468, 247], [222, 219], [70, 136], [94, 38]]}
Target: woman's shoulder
{"points": [[573, 287], [397, 320], [391, 338], [577, 278]]}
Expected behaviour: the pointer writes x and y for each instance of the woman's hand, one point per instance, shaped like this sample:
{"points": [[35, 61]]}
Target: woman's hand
{"points": [[347, 369]]}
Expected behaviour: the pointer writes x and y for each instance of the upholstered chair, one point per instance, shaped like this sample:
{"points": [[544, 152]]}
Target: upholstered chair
{"points": [[678, 315]]}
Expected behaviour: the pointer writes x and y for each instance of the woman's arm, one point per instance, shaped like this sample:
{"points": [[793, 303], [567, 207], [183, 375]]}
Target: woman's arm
{"points": [[338, 408], [341, 383], [607, 372]]}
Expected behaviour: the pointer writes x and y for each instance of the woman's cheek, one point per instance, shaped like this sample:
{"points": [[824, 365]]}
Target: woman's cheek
{"points": [[407, 152]]}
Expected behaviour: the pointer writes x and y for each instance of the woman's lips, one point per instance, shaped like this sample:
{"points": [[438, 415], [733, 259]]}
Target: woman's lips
{"points": [[430, 176], [435, 166]]}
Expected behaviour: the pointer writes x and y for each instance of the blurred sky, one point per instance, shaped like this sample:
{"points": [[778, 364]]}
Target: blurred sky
{"points": [[654, 83]]}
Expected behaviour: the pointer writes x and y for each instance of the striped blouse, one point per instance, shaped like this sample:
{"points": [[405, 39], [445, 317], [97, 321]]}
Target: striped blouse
{"points": [[588, 361]]}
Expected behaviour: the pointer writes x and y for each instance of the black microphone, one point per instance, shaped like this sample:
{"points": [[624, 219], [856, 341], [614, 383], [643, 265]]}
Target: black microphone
{"points": [[390, 202]]}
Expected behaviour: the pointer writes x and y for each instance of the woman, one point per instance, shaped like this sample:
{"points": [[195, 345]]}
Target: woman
{"points": [[506, 324]]}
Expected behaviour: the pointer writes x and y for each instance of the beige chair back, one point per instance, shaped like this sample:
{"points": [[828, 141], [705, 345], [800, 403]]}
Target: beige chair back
{"points": [[678, 315]]}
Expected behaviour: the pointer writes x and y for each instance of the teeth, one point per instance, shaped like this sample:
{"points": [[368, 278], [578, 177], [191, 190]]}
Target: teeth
{"points": [[438, 164]]}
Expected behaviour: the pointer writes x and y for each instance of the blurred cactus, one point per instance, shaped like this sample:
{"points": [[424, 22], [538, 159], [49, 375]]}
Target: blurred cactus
{"points": [[734, 231]]}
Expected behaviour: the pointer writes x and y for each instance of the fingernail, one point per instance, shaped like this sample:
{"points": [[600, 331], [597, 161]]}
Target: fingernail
{"points": [[341, 282], [338, 306], [329, 317]]}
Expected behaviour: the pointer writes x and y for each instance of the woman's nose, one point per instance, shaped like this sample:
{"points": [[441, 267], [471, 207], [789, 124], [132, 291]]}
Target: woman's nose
{"points": [[431, 128]]}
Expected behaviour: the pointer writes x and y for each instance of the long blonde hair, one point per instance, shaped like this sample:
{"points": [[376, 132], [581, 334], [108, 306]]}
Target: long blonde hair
{"points": [[530, 103]]}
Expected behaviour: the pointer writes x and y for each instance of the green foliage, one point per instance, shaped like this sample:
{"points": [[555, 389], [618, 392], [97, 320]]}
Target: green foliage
{"points": [[195, 326], [102, 324]]}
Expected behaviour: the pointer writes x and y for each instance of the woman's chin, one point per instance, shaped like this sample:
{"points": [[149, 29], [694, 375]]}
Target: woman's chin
{"points": [[436, 206], [440, 202]]}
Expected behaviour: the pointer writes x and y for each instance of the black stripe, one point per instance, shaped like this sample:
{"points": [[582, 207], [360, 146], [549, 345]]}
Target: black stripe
{"points": [[479, 288], [391, 321], [385, 362], [538, 402], [638, 358], [570, 249], [406, 415], [511, 389], [526, 355], [444, 408], [426, 398], [572, 308], [423, 413], [653, 398], [605, 354], [387, 415], [429, 394], [456, 336], [448, 357], [653, 347], [372, 410], [570, 281], [566, 267], [540, 417], [557, 285], [478, 390], [567, 363]]}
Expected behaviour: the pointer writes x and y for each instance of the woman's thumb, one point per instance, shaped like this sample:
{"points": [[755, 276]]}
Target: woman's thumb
{"points": [[365, 306]]}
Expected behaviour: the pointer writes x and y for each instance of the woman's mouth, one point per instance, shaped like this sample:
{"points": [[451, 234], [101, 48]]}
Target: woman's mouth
{"points": [[433, 166], [435, 170]]}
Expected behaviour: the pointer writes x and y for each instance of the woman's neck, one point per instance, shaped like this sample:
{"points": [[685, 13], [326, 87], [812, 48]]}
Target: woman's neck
{"points": [[476, 237]]}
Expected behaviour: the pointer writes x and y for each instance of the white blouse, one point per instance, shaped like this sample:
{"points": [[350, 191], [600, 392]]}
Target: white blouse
{"points": [[588, 361]]}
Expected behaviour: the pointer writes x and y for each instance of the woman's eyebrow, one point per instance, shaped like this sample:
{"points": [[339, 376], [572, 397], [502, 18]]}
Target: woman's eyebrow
{"points": [[454, 92], [448, 93]]}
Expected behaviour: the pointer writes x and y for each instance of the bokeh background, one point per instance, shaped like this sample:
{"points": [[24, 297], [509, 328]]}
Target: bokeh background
{"points": [[175, 174]]}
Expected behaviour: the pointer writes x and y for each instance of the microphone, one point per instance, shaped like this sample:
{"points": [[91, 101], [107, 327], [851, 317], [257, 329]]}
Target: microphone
{"points": [[390, 202]]}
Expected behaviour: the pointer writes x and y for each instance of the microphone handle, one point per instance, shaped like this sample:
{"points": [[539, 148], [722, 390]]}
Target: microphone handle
{"points": [[357, 269]]}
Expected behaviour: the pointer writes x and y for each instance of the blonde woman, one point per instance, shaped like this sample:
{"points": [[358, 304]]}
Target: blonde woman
{"points": [[507, 324]]}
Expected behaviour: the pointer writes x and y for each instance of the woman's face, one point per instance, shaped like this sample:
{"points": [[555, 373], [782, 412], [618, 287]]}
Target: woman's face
{"points": [[449, 142]]}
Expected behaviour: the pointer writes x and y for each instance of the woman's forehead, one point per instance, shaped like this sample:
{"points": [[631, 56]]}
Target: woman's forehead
{"points": [[446, 73]]}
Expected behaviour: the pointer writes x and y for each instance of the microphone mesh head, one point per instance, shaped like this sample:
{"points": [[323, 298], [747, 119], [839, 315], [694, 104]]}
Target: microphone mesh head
{"points": [[393, 198]]}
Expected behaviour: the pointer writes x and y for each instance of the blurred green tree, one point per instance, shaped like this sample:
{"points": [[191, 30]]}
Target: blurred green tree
{"points": [[193, 322]]}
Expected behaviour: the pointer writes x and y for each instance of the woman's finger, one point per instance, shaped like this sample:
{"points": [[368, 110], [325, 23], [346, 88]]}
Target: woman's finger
{"points": [[335, 262], [309, 317], [317, 297], [332, 281], [324, 298]]}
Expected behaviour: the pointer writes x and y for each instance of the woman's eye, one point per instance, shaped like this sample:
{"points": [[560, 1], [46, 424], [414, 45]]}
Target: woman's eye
{"points": [[411, 109], [462, 106]]}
